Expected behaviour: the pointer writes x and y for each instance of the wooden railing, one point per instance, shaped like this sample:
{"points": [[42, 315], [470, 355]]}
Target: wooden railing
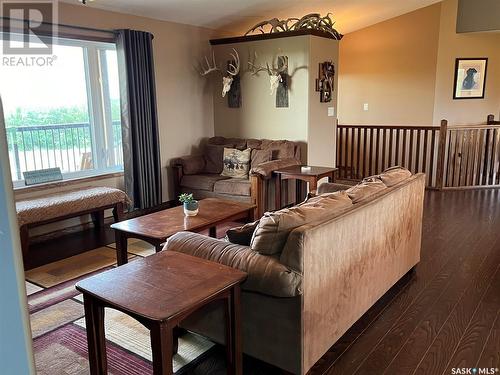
{"points": [[450, 156], [365, 150], [472, 156]]}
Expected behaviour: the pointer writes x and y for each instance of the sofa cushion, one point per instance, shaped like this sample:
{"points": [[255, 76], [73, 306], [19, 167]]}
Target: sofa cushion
{"points": [[365, 189], [331, 187], [260, 156], [265, 274], [280, 149], [214, 158], [254, 143], [239, 143], [274, 227], [236, 163], [221, 141], [233, 186], [192, 164], [201, 181], [394, 175], [242, 235]]}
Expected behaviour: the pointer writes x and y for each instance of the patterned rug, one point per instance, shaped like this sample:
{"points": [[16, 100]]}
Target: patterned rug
{"points": [[58, 322]]}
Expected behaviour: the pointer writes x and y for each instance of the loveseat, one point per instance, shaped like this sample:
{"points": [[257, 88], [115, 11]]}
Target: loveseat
{"points": [[201, 174], [316, 268]]}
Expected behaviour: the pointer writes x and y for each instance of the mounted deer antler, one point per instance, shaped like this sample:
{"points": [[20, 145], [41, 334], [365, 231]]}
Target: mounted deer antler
{"points": [[209, 68], [232, 71], [275, 73]]}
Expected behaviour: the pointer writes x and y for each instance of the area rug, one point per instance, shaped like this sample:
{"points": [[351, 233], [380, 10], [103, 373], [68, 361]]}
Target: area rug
{"points": [[58, 321]]}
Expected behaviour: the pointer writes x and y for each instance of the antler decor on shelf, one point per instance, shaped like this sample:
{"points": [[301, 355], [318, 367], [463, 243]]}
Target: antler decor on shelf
{"points": [[275, 73], [232, 71], [312, 21]]}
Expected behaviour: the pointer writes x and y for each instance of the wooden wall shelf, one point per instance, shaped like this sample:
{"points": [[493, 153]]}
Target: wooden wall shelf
{"points": [[284, 34]]}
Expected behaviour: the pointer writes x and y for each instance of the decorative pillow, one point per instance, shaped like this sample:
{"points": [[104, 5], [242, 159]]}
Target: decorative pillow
{"points": [[236, 163], [213, 157], [274, 227], [260, 156], [394, 175], [242, 235], [365, 189]]}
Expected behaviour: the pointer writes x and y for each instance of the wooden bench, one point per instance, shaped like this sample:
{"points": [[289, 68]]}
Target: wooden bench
{"points": [[52, 208]]}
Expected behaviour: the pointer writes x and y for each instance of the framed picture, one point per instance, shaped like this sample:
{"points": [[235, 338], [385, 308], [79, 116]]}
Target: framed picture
{"points": [[470, 78]]}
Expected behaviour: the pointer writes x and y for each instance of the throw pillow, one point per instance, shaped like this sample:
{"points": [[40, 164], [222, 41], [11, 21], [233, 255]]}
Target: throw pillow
{"points": [[213, 158], [260, 156], [273, 229], [242, 235], [365, 189], [236, 163], [394, 175]]}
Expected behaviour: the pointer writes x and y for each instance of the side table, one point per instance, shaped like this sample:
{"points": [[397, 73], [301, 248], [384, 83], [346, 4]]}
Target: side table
{"points": [[160, 291], [312, 175]]}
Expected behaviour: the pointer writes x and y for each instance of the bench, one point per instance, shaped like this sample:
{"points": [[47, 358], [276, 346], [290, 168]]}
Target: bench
{"points": [[56, 207]]}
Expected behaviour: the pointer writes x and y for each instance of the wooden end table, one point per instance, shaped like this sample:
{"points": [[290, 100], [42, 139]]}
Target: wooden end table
{"points": [[157, 227], [160, 291], [313, 175]]}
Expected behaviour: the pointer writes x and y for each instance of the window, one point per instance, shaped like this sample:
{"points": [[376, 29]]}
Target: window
{"points": [[65, 113]]}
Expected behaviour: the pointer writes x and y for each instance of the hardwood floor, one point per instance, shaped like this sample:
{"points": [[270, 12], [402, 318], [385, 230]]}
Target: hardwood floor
{"points": [[443, 315]]}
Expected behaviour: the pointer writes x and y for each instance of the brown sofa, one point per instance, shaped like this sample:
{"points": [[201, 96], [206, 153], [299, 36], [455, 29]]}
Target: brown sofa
{"points": [[201, 174], [314, 269]]}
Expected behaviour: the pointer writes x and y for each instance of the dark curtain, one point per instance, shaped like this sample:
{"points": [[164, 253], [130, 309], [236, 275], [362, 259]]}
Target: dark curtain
{"points": [[141, 148]]}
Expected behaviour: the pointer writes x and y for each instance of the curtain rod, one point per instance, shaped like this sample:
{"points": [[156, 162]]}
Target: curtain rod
{"points": [[114, 32]]}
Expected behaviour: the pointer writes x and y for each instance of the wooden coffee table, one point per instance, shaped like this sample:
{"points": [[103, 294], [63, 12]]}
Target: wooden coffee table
{"points": [[160, 291], [313, 175], [157, 227]]}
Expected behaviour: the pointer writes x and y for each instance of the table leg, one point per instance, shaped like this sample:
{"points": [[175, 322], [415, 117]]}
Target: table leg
{"points": [[277, 192], [96, 341], [162, 348], [233, 332], [121, 248], [298, 191], [313, 184], [331, 178]]}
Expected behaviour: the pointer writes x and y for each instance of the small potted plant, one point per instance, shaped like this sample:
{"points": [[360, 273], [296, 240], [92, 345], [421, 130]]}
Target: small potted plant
{"points": [[190, 204]]}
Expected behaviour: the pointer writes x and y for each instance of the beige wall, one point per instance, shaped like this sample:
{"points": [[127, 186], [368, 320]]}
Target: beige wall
{"points": [[185, 109], [321, 137], [453, 45], [392, 67], [258, 116], [404, 69]]}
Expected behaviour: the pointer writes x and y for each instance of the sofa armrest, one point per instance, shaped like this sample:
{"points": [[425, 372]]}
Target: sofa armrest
{"points": [[265, 274], [266, 169], [191, 164]]}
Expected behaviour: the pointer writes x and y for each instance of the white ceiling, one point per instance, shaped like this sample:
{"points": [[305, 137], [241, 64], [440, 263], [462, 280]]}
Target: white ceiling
{"points": [[236, 16]]}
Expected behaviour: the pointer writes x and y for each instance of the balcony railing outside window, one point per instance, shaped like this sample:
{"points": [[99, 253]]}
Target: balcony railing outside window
{"points": [[67, 146]]}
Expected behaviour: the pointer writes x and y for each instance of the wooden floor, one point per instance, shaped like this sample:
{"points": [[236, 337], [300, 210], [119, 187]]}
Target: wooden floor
{"points": [[444, 315]]}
